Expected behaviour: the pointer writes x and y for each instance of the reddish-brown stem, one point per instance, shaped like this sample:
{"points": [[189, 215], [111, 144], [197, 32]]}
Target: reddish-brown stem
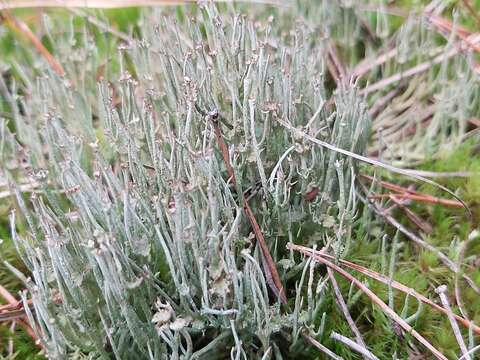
{"points": [[335, 66], [417, 220], [23, 28], [472, 11], [381, 103], [446, 26], [388, 185], [475, 122], [387, 281], [384, 307], [404, 193], [18, 305], [271, 272], [7, 296], [420, 197], [13, 302]]}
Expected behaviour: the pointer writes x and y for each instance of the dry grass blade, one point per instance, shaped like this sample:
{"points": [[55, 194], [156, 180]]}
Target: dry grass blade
{"points": [[417, 220], [471, 40], [321, 347], [23, 28], [271, 272], [456, 331], [470, 352], [17, 315], [443, 258], [388, 185], [435, 174], [474, 122], [446, 27], [12, 315], [354, 346], [335, 66], [420, 197], [472, 11], [381, 103], [8, 296], [14, 306], [396, 285], [369, 63], [384, 307], [405, 193], [344, 307], [14, 309], [108, 4]]}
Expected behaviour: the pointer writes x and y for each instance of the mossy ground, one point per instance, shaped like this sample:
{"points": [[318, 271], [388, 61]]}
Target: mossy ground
{"points": [[415, 267]]}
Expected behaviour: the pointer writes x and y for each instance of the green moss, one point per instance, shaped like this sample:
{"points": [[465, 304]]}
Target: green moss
{"points": [[427, 260], [24, 348]]}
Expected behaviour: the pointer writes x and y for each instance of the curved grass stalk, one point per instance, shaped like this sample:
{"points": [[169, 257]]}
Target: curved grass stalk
{"points": [[384, 307], [387, 281]]}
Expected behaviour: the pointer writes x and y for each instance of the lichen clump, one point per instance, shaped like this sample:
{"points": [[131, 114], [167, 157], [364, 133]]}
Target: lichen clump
{"points": [[137, 239]]}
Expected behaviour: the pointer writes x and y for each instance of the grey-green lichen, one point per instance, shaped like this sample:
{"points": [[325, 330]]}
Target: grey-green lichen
{"points": [[136, 239]]}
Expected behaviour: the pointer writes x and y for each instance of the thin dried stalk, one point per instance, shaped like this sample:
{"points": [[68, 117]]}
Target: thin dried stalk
{"points": [[19, 319], [106, 4], [395, 284], [271, 272], [335, 66], [21, 27], [472, 40], [435, 174], [321, 347], [344, 308], [368, 64], [388, 185], [446, 26], [7, 296], [470, 352], [12, 315], [384, 101], [417, 220], [475, 122], [14, 306], [354, 346], [419, 197], [384, 307], [13, 310], [456, 331]]}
